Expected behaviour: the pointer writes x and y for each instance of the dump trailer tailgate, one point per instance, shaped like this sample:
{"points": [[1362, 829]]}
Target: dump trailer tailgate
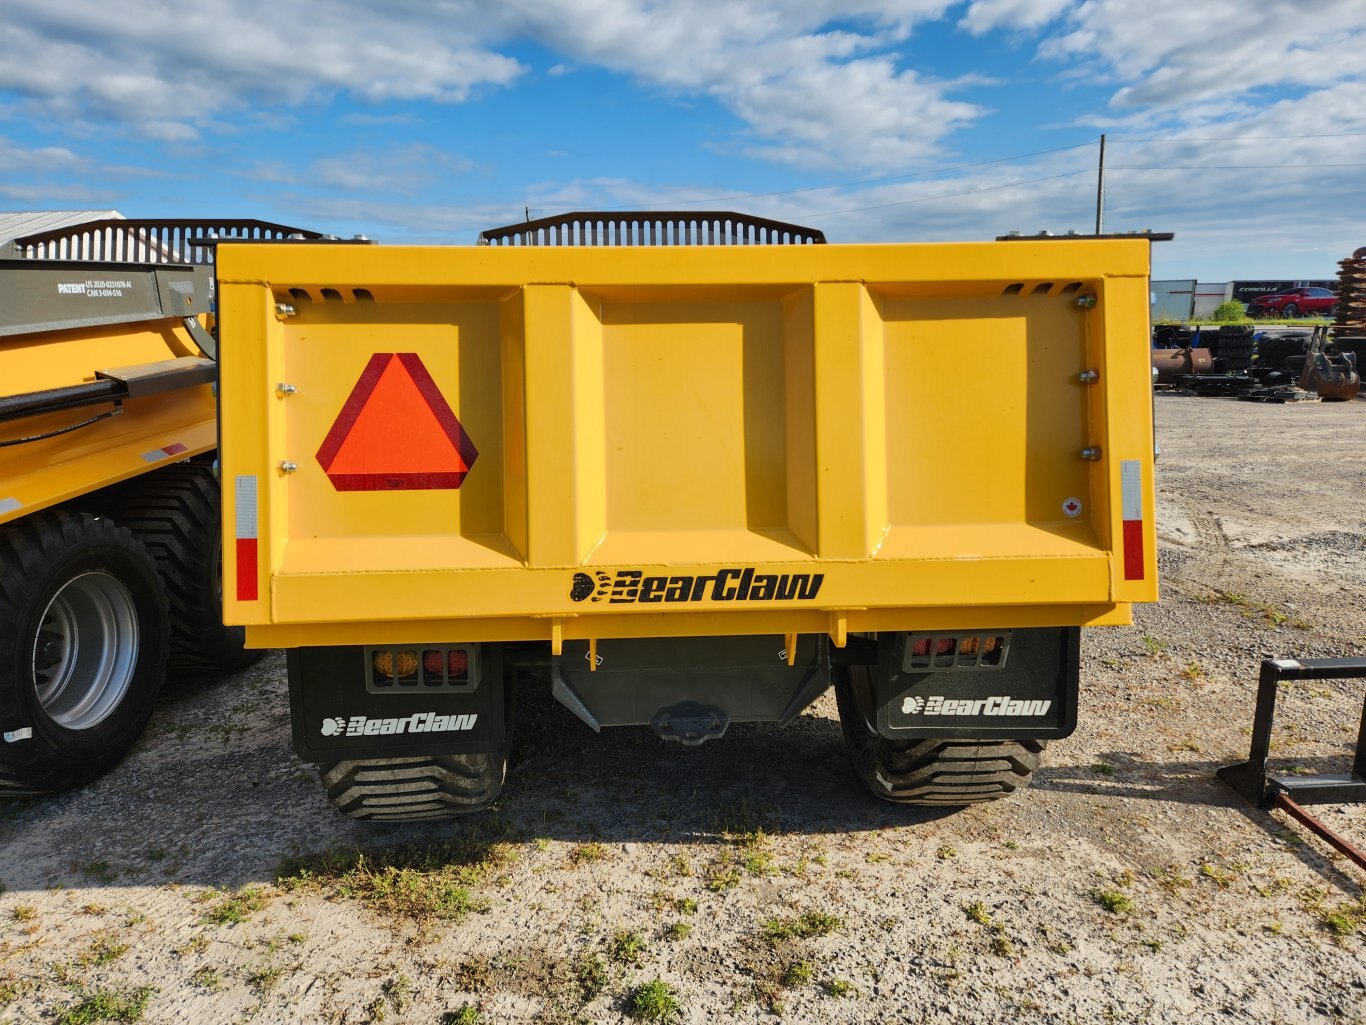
{"points": [[539, 443]]}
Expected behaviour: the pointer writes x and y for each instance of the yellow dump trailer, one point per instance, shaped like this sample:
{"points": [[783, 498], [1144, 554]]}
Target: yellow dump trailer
{"points": [[109, 513], [686, 485]]}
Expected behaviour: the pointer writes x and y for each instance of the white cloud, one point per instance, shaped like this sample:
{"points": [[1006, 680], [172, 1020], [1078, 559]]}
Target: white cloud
{"points": [[393, 169], [166, 72], [812, 93], [984, 15], [1172, 53]]}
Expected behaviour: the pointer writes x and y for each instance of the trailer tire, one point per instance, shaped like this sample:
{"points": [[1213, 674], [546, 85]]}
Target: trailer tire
{"points": [[939, 772], [175, 513], [410, 789], [83, 643], [422, 787]]}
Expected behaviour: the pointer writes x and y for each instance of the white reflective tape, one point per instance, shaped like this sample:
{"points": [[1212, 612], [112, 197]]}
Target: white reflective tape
{"points": [[23, 733], [8, 505], [1131, 489], [246, 506], [1285, 663]]}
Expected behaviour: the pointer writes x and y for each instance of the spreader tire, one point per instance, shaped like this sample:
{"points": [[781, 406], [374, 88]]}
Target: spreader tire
{"points": [[175, 513], [83, 641], [939, 772], [408, 789]]}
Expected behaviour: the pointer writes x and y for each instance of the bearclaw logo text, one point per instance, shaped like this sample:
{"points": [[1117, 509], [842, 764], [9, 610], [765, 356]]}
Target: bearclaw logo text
{"points": [[631, 586]]}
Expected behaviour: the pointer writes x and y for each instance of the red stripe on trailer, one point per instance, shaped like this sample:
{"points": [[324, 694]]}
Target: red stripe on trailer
{"points": [[246, 569], [174, 450], [1133, 549]]}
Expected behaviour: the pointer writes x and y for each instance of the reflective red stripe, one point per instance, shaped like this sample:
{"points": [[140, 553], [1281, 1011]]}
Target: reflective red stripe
{"points": [[1133, 549], [246, 569]]}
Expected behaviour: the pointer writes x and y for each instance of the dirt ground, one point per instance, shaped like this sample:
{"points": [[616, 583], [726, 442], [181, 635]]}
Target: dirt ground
{"points": [[206, 880]]}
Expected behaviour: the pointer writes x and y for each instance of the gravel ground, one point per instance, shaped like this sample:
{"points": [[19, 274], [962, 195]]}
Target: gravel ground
{"points": [[753, 876]]}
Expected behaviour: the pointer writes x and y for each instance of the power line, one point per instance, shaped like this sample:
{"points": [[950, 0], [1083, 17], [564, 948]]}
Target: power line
{"points": [[1228, 167], [1251, 138]]}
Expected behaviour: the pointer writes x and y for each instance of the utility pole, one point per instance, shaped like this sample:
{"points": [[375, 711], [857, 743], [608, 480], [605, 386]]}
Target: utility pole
{"points": [[1100, 187]]}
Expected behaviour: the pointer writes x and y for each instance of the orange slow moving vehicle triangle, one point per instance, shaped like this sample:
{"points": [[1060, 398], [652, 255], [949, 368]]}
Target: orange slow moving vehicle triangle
{"points": [[396, 432]]}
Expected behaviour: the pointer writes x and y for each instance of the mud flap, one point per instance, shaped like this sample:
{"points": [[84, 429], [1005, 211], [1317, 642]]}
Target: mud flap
{"points": [[390, 702], [980, 684]]}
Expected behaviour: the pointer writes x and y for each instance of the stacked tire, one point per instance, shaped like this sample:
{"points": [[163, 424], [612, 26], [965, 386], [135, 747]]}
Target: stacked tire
{"points": [[1236, 348]]}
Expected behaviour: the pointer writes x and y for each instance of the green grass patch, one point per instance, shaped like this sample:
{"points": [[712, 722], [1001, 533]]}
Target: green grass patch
{"points": [[679, 931], [1114, 901], [798, 973], [107, 1005], [627, 948], [409, 881], [803, 927], [235, 908], [102, 951], [465, 1014], [655, 1001]]}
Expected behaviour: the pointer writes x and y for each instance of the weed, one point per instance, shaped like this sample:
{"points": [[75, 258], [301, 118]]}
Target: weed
{"points": [[1001, 945], [1193, 671], [1155, 945], [1103, 769], [100, 871], [1011, 845], [678, 931], [24, 912], [1113, 901], [722, 877], [417, 881], [586, 853], [466, 1014], [946, 852], [1345, 919], [742, 818], [655, 1001], [627, 948], [590, 973], [266, 978], [759, 863], [873, 857], [837, 987], [977, 912], [474, 975], [207, 979], [195, 946], [102, 951], [1153, 645], [686, 906], [93, 909], [107, 1005], [235, 908], [135, 917], [804, 926], [396, 993], [798, 973], [681, 864], [1221, 877]]}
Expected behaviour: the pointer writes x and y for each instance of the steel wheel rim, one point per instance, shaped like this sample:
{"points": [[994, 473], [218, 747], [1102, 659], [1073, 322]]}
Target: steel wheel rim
{"points": [[86, 650]]}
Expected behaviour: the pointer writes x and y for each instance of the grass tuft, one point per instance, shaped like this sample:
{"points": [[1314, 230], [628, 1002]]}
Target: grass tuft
{"points": [[655, 1001], [107, 1005], [1114, 901], [805, 926]]}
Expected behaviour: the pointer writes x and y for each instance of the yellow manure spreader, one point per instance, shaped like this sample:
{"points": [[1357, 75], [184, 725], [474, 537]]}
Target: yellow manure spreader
{"points": [[683, 478]]}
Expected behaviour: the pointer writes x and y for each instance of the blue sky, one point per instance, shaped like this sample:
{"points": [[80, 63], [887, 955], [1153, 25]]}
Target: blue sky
{"points": [[1240, 126]]}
